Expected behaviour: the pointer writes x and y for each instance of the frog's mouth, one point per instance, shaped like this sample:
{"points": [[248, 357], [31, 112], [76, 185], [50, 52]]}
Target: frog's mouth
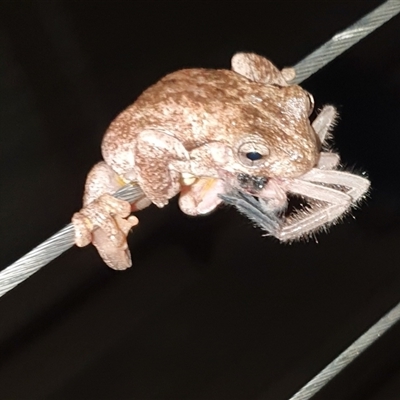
{"points": [[248, 183], [252, 184]]}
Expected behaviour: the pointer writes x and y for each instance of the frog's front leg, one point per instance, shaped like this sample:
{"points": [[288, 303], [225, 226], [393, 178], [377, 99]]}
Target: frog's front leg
{"points": [[202, 196], [159, 160], [207, 163], [104, 220]]}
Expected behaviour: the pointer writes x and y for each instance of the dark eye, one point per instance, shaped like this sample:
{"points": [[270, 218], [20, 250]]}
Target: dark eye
{"points": [[254, 156], [253, 153]]}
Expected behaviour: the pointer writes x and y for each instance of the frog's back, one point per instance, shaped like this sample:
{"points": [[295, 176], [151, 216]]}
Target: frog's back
{"points": [[186, 104], [196, 106], [197, 101], [199, 86]]}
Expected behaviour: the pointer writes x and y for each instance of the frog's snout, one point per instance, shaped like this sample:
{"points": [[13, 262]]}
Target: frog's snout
{"points": [[251, 183]]}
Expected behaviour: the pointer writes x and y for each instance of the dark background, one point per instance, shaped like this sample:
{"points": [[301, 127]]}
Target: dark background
{"points": [[211, 309]]}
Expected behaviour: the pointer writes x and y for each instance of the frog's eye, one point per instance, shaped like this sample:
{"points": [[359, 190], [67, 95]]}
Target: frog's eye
{"points": [[252, 154]]}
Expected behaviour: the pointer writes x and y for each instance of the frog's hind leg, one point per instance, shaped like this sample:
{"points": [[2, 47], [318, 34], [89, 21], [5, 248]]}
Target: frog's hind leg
{"points": [[105, 220]]}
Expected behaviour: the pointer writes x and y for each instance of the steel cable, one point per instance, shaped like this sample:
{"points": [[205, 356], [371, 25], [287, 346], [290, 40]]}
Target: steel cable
{"points": [[347, 356], [345, 39], [51, 248], [64, 239]]}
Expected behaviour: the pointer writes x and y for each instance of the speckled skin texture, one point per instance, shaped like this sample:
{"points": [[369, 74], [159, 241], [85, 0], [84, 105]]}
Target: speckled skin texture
{"points": [[195, 132], [192, 108]]}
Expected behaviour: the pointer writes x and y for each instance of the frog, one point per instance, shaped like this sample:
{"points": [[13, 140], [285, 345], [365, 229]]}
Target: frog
{"points": [[201, 132]]}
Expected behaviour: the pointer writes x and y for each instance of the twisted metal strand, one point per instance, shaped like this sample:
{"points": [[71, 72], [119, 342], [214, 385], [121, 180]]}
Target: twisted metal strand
{"points": [[64, 239], [342, 41], [347, 356], [51, 248], [304, 69]]}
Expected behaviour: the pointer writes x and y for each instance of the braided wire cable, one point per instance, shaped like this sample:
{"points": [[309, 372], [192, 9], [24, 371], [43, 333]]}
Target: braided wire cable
{"points": [[64, 239], [345, 39], [51, 248], [304, 69], [347, 356], [37, 258]]}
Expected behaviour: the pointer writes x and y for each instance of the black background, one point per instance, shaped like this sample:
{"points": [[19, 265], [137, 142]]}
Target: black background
{"points": [[211, 309]]}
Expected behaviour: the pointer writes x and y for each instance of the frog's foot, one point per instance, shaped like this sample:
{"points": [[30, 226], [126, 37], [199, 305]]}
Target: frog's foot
{"points": [[104, 222], [116, 257]]}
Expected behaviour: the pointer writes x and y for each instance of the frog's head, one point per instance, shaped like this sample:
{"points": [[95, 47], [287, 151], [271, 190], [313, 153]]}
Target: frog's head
{"points": [[277, 139], [274, 136]]}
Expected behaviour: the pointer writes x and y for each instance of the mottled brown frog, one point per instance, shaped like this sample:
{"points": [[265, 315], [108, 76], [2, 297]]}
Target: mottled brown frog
{"points": [[201, 132]]}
